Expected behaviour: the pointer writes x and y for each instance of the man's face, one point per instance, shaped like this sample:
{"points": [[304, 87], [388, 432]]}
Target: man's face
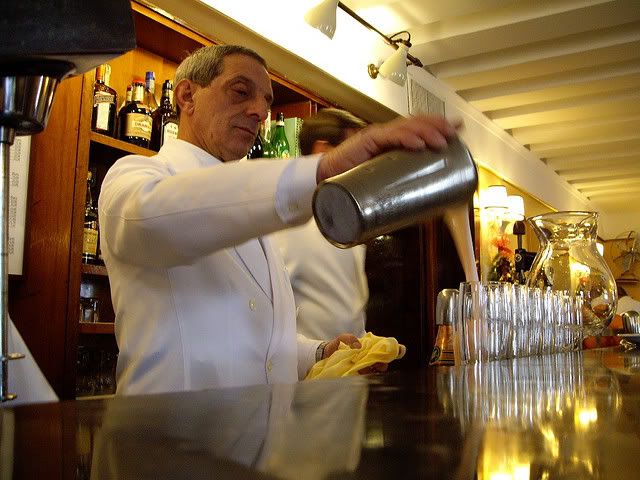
{"points": [[229, 110]]}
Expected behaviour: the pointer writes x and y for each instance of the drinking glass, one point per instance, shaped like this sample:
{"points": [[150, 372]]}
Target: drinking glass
{"points": [[485, 320]]}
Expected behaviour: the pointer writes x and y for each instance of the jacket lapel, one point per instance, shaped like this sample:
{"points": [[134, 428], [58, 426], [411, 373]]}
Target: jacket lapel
{"points": [[253, 257]]}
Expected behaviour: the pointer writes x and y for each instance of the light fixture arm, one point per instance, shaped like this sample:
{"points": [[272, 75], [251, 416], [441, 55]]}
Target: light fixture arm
{"points": [[390, 40]]}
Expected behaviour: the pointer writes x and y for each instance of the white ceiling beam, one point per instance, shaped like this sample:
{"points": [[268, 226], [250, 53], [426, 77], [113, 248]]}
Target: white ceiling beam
{"points": [[593, 159], [612, 147], [586, 185], [608, 164], [591, 145], [576, 80], [573, 130], [538, 51], [610, 181], [591, 58], [612, 174], [540, 114], [616, 191], [488, 19]]}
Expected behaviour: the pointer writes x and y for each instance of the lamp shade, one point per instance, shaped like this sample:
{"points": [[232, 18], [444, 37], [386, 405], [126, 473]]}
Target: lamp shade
{"points": [[394, 68], [495, 196], [323, 17], [515, 204]]}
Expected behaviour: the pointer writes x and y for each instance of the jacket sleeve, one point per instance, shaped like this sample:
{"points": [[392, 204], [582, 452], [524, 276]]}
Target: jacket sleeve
{"points": [[152, 216]]}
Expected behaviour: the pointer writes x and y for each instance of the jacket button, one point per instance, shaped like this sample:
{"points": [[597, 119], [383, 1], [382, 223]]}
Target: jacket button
{"points": [[269, 366], [252, 304]]}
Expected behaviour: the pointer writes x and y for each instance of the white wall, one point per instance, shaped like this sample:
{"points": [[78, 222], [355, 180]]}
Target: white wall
{"points": [[261, 25]]}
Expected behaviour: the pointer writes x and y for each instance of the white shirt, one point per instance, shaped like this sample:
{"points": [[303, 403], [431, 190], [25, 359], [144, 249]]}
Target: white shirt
{"points": [[329, 283], [201, 299], [627, 303]]}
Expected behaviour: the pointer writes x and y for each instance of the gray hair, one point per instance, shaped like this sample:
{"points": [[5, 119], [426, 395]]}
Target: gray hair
{"points": [[206, 63], [330, 125]]}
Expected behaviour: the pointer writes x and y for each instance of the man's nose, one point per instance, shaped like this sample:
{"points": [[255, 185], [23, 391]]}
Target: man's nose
{"points": [[260, 107]]}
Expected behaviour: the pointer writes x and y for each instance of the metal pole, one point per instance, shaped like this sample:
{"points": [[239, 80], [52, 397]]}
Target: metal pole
{"points": [[6, 140]]}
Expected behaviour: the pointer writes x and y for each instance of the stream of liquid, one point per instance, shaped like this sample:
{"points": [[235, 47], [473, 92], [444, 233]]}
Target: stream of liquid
{"points": [[457, 220]]}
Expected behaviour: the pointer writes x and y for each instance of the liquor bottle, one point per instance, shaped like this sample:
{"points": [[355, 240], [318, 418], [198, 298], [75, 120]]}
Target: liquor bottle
{"points": [[90, 234], [105, 100], [256, 150], [150, 91], [135, 119], [265, 137], [164, 119], [279, 142], [125, 102]]}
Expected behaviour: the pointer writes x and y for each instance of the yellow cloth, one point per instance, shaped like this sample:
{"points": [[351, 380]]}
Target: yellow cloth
{"points": [[348, 361]]}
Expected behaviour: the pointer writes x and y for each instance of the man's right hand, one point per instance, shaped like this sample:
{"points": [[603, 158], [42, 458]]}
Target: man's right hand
{"points": [[414, 133]]}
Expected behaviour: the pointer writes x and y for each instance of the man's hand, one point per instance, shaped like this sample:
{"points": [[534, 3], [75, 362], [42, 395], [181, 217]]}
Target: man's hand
{"points": [[352, 341], [414, 133]]}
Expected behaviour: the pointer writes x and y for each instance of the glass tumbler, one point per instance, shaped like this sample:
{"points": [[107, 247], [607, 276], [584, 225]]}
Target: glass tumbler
{"points": [[485, 320]]}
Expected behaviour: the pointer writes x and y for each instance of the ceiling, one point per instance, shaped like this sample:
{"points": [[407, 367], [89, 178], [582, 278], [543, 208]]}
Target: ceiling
{"points": [[561, 76]]}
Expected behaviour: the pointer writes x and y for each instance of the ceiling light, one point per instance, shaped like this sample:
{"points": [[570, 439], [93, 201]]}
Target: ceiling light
{"points": [[323, 17], [393, 68]]}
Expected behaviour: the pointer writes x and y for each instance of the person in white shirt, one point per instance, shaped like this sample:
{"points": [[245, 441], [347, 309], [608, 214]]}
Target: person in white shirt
{"points": [[201, 298], [329, 283], [626, 302]]}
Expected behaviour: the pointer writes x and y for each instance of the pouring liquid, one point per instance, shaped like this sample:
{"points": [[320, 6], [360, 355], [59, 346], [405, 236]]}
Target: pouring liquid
{"points": [[457, 220]]}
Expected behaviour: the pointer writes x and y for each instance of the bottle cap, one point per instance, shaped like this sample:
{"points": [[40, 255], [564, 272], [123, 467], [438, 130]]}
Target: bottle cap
{"points": [[150, 75]]}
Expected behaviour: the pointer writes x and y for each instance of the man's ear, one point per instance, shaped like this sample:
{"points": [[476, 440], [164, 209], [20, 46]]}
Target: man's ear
{"points": [[183, 95]]}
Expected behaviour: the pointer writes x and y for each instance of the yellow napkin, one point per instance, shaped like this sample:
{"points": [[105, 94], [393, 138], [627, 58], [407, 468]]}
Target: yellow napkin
{"points": [[348, 361]]}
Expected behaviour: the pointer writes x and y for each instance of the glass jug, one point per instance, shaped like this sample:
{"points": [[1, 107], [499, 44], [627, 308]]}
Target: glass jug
{"points": [[568, 260]]}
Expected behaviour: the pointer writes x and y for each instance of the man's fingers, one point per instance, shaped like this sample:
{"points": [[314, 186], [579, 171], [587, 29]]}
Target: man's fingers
{"points": [[375, 368]]}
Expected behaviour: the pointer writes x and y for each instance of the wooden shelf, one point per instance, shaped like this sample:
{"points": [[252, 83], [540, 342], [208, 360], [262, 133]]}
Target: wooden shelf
{"points": [[98, 270], [98, 328], [120, 145]]}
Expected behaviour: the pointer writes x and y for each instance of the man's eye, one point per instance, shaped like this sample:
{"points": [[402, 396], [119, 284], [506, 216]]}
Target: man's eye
{"points": [[241, 92]]}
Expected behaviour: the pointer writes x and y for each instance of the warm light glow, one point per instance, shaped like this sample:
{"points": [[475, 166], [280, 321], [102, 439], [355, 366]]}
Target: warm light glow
{"points": [[495, 196], [515, 205], [585, 417], [600, 248], [551, 441]]}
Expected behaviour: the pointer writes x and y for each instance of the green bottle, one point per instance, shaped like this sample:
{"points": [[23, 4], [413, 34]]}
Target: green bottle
{"points": [[279, 142]]}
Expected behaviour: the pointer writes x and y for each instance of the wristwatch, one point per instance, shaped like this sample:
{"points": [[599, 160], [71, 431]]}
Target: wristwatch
{"points": [[320, 351]]}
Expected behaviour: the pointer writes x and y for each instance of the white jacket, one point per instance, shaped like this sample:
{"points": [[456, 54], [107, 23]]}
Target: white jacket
{"points": [[329, 283], [201, 300]]}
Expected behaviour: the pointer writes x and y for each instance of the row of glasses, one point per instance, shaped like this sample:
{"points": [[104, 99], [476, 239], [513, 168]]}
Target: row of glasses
{"points": [[499, 320]]}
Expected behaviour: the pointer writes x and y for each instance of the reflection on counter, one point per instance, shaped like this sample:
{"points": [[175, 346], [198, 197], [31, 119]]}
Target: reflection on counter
{"points": [[263, 428], [538, 417]]}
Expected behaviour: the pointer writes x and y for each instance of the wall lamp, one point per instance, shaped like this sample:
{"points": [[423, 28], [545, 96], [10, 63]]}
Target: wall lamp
{"points": [[394, 68]]}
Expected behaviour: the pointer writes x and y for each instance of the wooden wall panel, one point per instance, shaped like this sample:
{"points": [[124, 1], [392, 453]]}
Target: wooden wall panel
{"points": [[38, 298]]}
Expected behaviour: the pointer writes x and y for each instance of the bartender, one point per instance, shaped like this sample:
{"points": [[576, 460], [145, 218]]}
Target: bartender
{"points": [[201, 298]]}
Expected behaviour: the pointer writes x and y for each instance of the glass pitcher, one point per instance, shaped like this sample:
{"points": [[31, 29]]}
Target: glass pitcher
{"points": [[568, 260]]}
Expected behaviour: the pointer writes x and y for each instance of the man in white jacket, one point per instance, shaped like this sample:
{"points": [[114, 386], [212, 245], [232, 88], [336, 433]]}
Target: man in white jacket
{"points": [[329, 283], [201, 298]]}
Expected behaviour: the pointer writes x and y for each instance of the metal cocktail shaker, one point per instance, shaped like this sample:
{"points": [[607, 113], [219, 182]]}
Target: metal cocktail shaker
{"points": [[391, 191]]}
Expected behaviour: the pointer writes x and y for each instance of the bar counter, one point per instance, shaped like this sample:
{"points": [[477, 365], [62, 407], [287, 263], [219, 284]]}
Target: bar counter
{"points": [[573, 415]]}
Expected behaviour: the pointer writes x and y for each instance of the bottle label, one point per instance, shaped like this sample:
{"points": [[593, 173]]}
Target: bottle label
{"points": [[101, 97], [102, 116], [138, 125], [90, 239], [170, 130]]}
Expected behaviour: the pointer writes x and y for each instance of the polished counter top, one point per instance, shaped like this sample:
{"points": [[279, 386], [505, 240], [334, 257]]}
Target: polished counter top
{"points": [[574, 415]]}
